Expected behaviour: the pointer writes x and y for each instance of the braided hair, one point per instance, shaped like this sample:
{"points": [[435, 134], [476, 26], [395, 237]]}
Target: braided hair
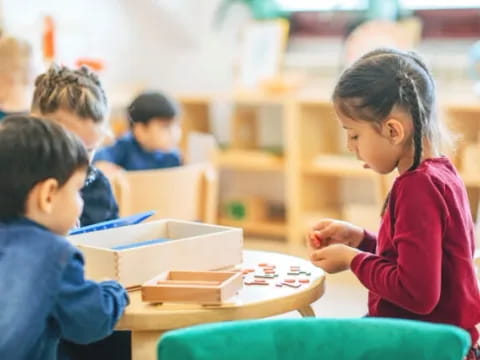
{"points": [[78, 91]]}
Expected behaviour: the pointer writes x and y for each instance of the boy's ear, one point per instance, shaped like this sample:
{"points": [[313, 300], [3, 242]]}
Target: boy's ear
{"points": [[46, 192], [394, 130]]}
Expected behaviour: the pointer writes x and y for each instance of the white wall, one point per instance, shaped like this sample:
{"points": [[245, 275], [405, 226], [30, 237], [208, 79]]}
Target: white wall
{"points": [[166, 44]]}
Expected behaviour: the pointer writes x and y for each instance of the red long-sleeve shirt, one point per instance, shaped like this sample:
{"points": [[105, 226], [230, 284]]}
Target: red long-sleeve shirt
{"points": [[421, 265]]}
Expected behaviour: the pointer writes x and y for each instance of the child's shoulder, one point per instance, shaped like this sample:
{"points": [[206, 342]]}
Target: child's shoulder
{"points": [[36, 238], [126, 139], [437, 172]]}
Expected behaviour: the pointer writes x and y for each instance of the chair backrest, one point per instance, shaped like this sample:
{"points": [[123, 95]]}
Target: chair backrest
{"points": [[185, 192], [314, 339]]}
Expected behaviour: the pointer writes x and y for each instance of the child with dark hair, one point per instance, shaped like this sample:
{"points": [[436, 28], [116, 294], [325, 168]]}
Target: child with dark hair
{"points": [[151, 143], [420, 266], [45, 295], [76, 100]]}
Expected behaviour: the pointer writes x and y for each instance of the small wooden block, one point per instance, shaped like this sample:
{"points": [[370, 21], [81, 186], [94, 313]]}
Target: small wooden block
{"points": [[304, 281], [266, 276], [290, 281], [263, 264], [255, 283], [292, 285]]}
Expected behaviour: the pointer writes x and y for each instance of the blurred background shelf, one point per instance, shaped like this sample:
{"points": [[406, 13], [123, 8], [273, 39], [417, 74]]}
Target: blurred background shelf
{"points": [[265, 228], [337, 165], [249, 160]]}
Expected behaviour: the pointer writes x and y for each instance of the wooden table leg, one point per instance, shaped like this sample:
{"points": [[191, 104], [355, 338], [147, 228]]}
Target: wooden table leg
{"points": [[144, 344], [306, 311]]}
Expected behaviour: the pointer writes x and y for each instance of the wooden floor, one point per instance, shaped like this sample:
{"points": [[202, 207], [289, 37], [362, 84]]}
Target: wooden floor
{"points": [[344, 295]]}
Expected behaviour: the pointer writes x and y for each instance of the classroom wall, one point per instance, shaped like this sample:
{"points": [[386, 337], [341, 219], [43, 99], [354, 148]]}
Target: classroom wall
{"points": [[172, 45]]}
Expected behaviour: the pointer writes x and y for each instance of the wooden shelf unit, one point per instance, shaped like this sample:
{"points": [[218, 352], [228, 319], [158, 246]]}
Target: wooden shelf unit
{"points": [[315, 164], [274, 228], [463, 119], [249, 160]]}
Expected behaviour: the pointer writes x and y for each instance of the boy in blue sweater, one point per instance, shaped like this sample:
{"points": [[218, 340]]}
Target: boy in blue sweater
{"points": [[151, 142], [45, 295]]}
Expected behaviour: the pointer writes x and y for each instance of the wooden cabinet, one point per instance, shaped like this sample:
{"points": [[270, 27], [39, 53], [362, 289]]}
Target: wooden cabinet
{"points": [[320, 178]]}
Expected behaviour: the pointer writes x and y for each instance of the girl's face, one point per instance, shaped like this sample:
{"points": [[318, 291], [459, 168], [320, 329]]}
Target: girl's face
{"points": [[91, 133], [381, 148]]}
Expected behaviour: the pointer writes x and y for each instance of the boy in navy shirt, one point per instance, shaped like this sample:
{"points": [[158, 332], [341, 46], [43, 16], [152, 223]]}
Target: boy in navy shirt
{"points": [[45, 295], [151, 142]]}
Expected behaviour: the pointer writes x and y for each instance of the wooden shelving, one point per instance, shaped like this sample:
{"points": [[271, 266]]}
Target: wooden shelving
{"points": [[471, 180], [319, 177], [265, 228], [336, 165], [250, 160]]}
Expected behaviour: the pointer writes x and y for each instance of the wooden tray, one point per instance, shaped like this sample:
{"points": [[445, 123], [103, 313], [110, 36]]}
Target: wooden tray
{"points": [[201, 287]]}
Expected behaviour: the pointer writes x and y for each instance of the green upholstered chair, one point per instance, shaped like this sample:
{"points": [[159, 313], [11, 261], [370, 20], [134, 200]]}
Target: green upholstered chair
{"points": [[316, 339]]}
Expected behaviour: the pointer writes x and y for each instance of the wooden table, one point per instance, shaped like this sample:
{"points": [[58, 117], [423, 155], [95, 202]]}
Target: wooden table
{"points": [[148, 321]]}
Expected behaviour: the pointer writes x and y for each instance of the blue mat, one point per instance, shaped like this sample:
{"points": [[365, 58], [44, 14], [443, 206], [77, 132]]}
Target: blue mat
{"points": [[138, 244]]}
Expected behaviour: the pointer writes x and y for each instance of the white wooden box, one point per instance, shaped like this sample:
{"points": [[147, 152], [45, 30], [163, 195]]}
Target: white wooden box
{"points": [[191, 246]]}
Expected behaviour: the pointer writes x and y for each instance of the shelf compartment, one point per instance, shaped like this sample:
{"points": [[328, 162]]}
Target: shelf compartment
{"points": [[253, 160], [337, 165], [276, 228]]}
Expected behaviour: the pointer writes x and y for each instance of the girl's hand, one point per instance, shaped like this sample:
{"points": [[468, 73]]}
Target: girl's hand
{"points": [[334, 258], [329, 231]]}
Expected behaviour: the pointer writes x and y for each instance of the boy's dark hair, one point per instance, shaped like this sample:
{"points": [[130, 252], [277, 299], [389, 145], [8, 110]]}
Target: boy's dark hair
{"points": [[152, 104], [77, 91], [383, 78], [33, 150]]}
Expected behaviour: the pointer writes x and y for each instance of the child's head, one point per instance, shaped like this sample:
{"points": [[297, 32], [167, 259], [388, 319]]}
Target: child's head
{"points": [[386, 102], [16, 67], [43, 168], [74, 98], [153, 122]]}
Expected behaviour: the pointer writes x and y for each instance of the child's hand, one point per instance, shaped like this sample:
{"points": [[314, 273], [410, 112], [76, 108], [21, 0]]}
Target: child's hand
{"points": [[334, 258], [328, 231]]}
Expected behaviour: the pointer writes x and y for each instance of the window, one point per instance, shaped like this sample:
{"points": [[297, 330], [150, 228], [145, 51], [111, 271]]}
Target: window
{"points": [[315, 5], [440, 18]]}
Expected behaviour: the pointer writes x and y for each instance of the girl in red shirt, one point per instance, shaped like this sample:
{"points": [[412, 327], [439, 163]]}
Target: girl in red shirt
{"points": [[420, 266]]}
